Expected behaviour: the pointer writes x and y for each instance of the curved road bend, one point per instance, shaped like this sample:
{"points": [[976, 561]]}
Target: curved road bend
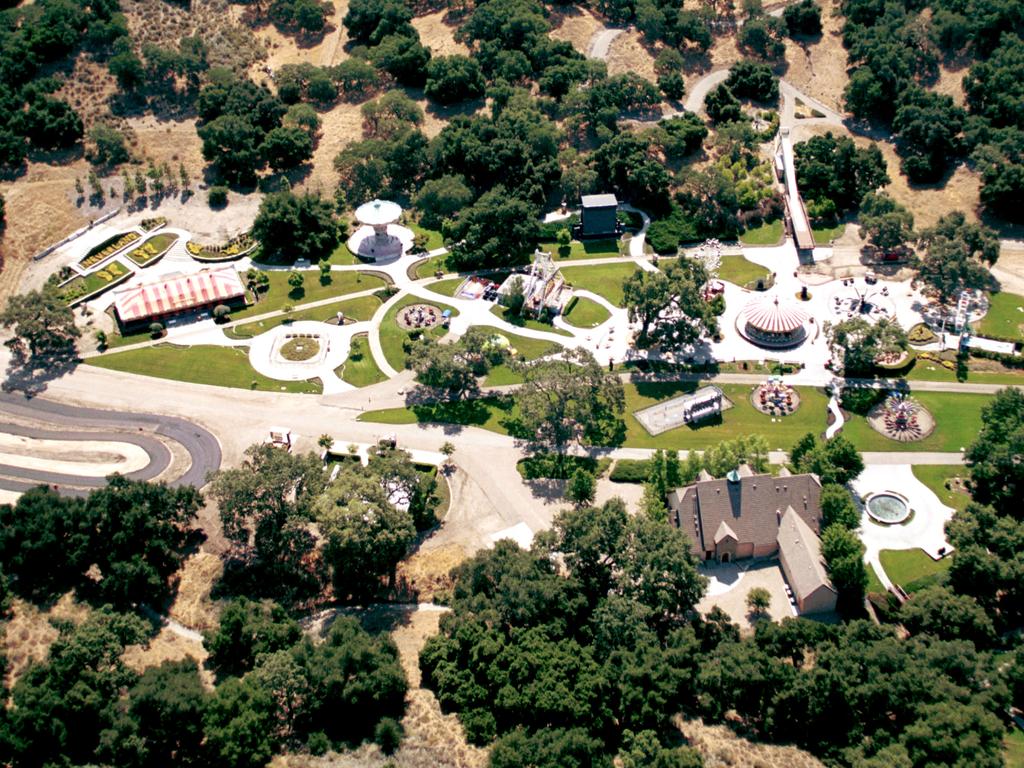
{"points": [[203, 448]]}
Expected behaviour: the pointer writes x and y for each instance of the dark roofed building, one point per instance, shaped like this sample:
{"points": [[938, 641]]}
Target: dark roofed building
{"points": [[739, 516], [598, 215]]}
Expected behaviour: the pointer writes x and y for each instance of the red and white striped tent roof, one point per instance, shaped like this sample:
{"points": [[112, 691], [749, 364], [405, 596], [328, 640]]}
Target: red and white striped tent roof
{"points": [[177, 294], [770, 316]]}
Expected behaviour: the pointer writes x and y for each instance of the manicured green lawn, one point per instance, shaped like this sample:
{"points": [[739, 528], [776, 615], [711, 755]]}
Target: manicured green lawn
{"points": [[280, 293], [360, 369], [392, 336], [769, 233], [585, 249], [343, 256], [525, 349], [204, 364], [603, 279], [979, 371], [428, 267], [359, 308], [1004, 317], [152, 248], [822, 235], [1013, 753], [434, 238], [935, 477], [913, 569], [585, 313], [741, 420], [874, 583], [524, 322], [95, 283], [957, 421], [488, 413], [738, 271], [447, 287]]}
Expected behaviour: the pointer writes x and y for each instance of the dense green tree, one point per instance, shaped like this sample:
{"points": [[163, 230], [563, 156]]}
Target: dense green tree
{"points": [[763, 36], [365, 532], [722, 106], [582, 488], [248, 629], [834, 169], [161, 724], [42, 326], [569, 400], [928, 127], [843, 553], [670, 305], [232, 143], [264, 505], [455, 368], [403, 57], [837, 507], [498, 230], [834, 461], [753, 80], [286, 147], [859, 346], [997, 473], [886, 223], [138, 534], [803, 19], [238, 725], [442, 198], [108, 145], [680, 136], [369, 21], [61, 706], [938, 611], [387, 115], [957, 254], [291, 226], [549, 748], [451, 79]]}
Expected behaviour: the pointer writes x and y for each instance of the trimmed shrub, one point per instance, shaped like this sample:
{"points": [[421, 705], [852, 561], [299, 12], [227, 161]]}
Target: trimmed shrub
{"points": [[217, 197], [630, 471]]}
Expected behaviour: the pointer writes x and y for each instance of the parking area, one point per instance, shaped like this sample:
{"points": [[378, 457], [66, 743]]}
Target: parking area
{"points": [[731, 582]]}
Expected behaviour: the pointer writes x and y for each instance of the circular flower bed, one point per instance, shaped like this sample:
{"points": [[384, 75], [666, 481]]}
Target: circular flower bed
{"points": [[299, 349]]}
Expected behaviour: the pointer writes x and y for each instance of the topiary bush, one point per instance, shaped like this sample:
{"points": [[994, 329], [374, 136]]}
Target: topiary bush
{"points": [[217, 197], [630, 471]]}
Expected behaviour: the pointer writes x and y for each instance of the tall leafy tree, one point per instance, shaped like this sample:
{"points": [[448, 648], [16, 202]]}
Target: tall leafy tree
{"points": [[42, 326], [291, 226], [570, 400]]}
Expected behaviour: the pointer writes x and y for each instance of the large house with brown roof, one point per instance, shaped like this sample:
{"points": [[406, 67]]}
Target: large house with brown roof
{"points": [[748, 515]]}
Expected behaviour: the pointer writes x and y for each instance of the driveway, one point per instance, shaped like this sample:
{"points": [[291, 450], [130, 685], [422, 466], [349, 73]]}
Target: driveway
{"points": [[729, 584], [925, 530]]}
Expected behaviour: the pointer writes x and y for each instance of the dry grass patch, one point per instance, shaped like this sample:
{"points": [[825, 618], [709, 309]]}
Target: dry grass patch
{"points": [[577, 26], [818, 68], [168, 141], [721, 747], [961, 192], [28, 633], [167, 646], [87, 88], [438, 36], [193, 606], [230, 43], [951, 83], [342, 125], [428, 571], [628, 54]]}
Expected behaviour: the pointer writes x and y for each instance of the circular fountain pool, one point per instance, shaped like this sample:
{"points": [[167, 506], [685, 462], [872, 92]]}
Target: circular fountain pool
{"points": [[887, 507]]}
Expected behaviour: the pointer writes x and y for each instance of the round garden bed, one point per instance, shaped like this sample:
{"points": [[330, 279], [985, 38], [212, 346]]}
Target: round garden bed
{"points": [[299, 349], [418, 317], [903, 430]]}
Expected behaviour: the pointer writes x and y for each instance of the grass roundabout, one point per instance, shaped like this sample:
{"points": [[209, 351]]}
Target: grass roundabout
{"points": [[299, 349]]}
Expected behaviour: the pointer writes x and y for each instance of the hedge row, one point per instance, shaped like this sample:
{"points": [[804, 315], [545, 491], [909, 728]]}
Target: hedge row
{"points": [[630, 471]]}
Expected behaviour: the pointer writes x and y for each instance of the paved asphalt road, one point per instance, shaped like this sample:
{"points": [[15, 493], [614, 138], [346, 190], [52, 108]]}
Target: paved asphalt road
{"points": [[201, 445]]}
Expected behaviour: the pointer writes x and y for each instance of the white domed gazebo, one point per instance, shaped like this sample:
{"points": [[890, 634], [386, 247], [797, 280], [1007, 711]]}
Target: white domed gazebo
{"points": [[380, 238], [770, 323]]}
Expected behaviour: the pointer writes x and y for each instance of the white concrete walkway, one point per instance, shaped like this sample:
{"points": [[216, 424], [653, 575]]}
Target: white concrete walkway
{"points": [[924, 531]]}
